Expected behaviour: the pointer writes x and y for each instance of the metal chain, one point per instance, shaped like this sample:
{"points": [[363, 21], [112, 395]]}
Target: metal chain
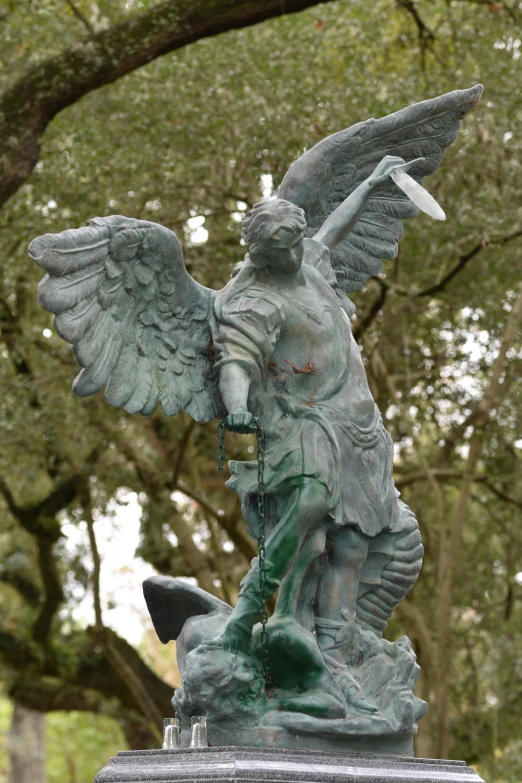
{"points": [[261, 542], [221, 427], [260, 526]]}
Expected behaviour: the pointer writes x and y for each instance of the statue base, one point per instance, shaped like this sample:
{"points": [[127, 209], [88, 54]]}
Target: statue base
{"points": [[275, 737], [267, 764]]}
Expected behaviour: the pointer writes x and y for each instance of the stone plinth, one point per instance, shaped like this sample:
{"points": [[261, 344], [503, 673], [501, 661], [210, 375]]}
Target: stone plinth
{"points": [[267, 765]]}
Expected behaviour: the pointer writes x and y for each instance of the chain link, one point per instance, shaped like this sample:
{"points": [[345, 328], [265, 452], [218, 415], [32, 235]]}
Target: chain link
{"points": [[221, 427], [261, 527]]}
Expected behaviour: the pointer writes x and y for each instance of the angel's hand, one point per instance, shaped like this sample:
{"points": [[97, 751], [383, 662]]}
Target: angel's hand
{"points": [[389, 164], [240, 421]]}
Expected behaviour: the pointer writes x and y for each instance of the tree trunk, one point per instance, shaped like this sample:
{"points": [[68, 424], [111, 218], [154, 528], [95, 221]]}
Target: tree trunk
{"points": [[424, 737], [451, 552], [26, 746]]}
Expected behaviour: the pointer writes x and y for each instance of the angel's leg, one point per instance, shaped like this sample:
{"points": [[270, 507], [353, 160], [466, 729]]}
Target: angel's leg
{"points": [[347, 553], [306, 506], [289, 595], [336, 600]]}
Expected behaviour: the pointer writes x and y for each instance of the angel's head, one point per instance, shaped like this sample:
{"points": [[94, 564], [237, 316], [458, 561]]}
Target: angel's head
{"points": [[274, 231]]}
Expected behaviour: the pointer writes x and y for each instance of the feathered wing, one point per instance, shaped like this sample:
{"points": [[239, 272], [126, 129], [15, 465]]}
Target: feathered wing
{"points": [[137, 321], [323, 177], [171, 602]]}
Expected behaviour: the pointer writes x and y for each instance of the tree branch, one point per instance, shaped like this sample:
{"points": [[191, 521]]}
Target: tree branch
{"points": [[218, 558], [243, 542], [505, 528], [464, 260], [181, 451], [494, 391], [53, 593], [81, 18], [434, 288], [512, 9], [441, 474], [479, 419], [47, 88], [382, 370], [24, 586], [40, 518], [409, 614], [22, 655], [118, 660], [46, 694], [369, 315], [198, 561], [502, 495], [95, 684], [426, 35], [85, 498]]}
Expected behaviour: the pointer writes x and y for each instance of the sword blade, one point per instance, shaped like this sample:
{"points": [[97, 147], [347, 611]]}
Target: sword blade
{"points": [[420, 197]]}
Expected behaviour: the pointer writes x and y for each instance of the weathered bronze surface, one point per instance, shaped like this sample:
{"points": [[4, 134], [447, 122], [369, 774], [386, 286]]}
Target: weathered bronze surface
{"points": [[274, 351]]}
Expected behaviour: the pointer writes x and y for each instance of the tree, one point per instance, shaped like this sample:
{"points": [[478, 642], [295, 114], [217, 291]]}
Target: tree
{"points": [[103, 56], [438, 331], [26, 746]]}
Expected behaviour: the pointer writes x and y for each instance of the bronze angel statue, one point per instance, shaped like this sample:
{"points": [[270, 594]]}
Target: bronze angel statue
{"points": [[275, 346]]}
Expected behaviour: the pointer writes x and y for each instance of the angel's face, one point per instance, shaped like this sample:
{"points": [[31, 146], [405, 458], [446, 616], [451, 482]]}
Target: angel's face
{"points": [[284, 251]]}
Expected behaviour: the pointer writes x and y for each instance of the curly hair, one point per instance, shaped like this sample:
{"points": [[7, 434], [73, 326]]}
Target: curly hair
{"points": [[268, 216], [218, 683]]}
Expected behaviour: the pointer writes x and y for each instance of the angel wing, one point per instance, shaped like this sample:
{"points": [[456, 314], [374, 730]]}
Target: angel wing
{"points": [[171, 602], [137, 321], [323, 177]]}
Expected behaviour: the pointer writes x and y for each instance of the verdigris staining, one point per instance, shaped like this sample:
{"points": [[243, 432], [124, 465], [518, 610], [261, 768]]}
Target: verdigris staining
{"points": [[273, 353]]}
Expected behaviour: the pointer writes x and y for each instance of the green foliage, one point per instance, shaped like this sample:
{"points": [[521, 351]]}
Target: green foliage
{"points": [[78, 744], [191, 135], [5, 719]]}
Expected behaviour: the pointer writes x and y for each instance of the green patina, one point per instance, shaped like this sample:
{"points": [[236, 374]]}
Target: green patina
{"points": [[273, 353]]}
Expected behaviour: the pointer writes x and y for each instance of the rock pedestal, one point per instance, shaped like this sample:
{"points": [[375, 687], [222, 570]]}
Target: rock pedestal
{"points": [[289, 766]]}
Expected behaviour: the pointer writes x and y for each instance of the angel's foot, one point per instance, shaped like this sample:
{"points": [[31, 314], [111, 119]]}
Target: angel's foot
{"points": [[237, 634], [352, 691], [335, 639], [348, 685]]}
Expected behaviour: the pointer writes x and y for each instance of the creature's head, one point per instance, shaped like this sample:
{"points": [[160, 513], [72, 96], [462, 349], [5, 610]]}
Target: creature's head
{"points": [[273, 231], [221, 684]]}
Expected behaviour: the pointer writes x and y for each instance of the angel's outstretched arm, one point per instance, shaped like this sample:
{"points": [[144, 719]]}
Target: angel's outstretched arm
{"points": [[336, 227]]}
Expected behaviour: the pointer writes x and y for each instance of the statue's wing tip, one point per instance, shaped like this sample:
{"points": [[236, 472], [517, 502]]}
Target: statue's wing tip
{"points": [[171, 602], [33, 250], [38, 247], [476, 92]]}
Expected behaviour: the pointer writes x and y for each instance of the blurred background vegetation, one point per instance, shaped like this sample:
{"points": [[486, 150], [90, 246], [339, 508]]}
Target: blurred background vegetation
{"points": [[192, 140]]}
